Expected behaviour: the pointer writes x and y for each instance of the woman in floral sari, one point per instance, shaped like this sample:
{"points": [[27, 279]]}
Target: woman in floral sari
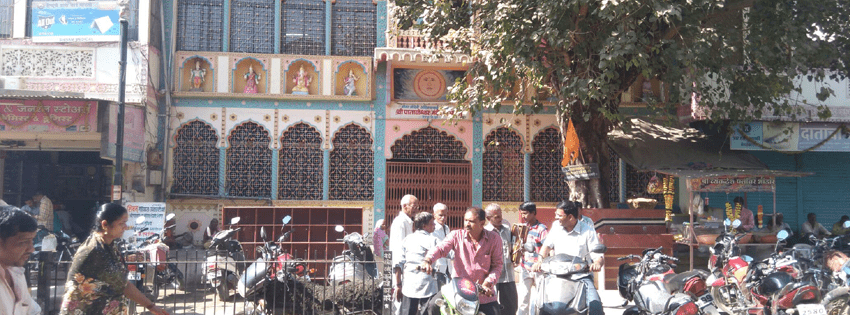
{"points": [[97, 281]]}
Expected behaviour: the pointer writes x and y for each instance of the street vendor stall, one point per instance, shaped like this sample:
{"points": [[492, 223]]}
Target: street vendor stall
{"points": [[704, 162], [727, 181]]}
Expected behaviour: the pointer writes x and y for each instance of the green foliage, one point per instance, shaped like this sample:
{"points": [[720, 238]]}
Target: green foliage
{"points": [[740, 57]]}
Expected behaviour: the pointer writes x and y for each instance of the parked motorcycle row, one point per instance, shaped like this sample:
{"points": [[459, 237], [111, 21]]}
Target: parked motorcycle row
{"points": [[277, 280], [790, 281]]}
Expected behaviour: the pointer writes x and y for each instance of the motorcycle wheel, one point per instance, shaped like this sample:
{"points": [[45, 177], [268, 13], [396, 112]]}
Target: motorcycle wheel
{"points": [[222, 291], [839, 306], [724, 305]]}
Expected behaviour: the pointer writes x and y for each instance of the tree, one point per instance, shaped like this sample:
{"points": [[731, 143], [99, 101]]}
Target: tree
{"points": [[738, 58]]}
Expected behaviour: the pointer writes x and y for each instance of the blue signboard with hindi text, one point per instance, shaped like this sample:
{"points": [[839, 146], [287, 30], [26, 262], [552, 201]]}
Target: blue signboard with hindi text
{"points": [[75, 21]]}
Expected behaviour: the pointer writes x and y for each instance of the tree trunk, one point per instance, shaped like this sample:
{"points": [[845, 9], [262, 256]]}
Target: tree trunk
{"points": [[593, 135]]}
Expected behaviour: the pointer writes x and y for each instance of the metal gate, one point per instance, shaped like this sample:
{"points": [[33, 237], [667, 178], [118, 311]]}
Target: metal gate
{"points": [[431, 183]]}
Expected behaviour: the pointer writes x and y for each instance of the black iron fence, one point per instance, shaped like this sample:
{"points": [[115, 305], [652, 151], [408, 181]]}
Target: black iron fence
{"points": [[292, 286]]}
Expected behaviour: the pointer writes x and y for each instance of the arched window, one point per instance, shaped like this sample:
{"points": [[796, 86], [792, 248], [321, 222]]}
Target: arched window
{"points": [[547, 180], [429, 144], [352, 164], [503, 164], [252, 26], [303, 27], [249, 162], [200, 25], [300, 167], [354, 31], [196, 160]]}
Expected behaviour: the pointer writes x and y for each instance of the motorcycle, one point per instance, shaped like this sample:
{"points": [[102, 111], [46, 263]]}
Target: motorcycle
{"points": [[777, 291], [728, 269], [272, 276], [166, 273], [139, 272], [837, 301], [644, 283], [225, 261]]}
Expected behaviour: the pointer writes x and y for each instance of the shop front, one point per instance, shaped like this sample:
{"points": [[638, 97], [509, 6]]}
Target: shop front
{"points": [[51, 143]]}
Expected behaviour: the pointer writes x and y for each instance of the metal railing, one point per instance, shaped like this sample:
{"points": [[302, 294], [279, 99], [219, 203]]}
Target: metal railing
{"points": [[300, 293]]}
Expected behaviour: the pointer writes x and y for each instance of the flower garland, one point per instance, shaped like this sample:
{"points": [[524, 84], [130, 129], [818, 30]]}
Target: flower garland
{"points": [[667, 187], [732, 215], [760, 214]]}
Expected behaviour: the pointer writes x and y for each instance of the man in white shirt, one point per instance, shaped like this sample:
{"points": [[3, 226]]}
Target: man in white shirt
{"points": [[441, 229], [575, 238], [812, 227], [401, 227], [506, 286], [17, 230], [45, 210]]}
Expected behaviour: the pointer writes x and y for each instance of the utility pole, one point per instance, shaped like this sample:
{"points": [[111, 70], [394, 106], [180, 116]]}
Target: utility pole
{"points": [[118, 178]]}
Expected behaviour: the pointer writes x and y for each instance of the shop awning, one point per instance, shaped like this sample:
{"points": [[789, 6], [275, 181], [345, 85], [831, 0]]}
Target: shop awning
{"points": [[684, 152]]}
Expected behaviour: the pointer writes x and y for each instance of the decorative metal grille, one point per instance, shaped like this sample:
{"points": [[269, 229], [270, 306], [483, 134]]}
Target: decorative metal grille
{"points": [[354, 32], [447, 183], [196, 160], [636, 184], [300, 164], [200, 24], [303, 27], [503, 166], [252, 26], [249, 162], [7, 18], [352, 164], [429, 144], [547, 180], [614, 177]]}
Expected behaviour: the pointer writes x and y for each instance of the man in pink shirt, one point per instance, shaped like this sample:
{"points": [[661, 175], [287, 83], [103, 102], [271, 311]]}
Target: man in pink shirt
{"points": [[478, 257], [747, 220]]}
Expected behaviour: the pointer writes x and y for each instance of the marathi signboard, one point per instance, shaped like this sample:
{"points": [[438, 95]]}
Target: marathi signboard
{"points": [[581, 171], [134, 133], [732, 183], [154, 213], [414, 111], [75, 21], [791, 136], [48, 116]]}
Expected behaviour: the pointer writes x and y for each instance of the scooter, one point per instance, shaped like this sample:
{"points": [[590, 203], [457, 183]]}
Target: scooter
{"points": [[643, 283], [225, 261], [357, 263], [561, 289], [459, 297]]}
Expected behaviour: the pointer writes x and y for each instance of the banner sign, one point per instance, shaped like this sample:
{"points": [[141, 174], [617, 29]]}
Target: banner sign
{"points": [[581, 171], [48, 115], [790, 136], [75, 21], [732, 183], [134, 133], [154, 213]]}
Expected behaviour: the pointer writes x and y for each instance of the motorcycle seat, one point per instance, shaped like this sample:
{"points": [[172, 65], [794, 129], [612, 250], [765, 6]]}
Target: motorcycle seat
{"points": [[676, 282]]}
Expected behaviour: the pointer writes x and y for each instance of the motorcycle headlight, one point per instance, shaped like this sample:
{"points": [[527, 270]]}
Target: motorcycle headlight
{"points": [[466, 307]]}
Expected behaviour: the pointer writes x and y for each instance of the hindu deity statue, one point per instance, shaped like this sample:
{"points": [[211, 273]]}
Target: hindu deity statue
{"points": [[349, 88], [198, 77], [251, 80], [302, 82]]}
